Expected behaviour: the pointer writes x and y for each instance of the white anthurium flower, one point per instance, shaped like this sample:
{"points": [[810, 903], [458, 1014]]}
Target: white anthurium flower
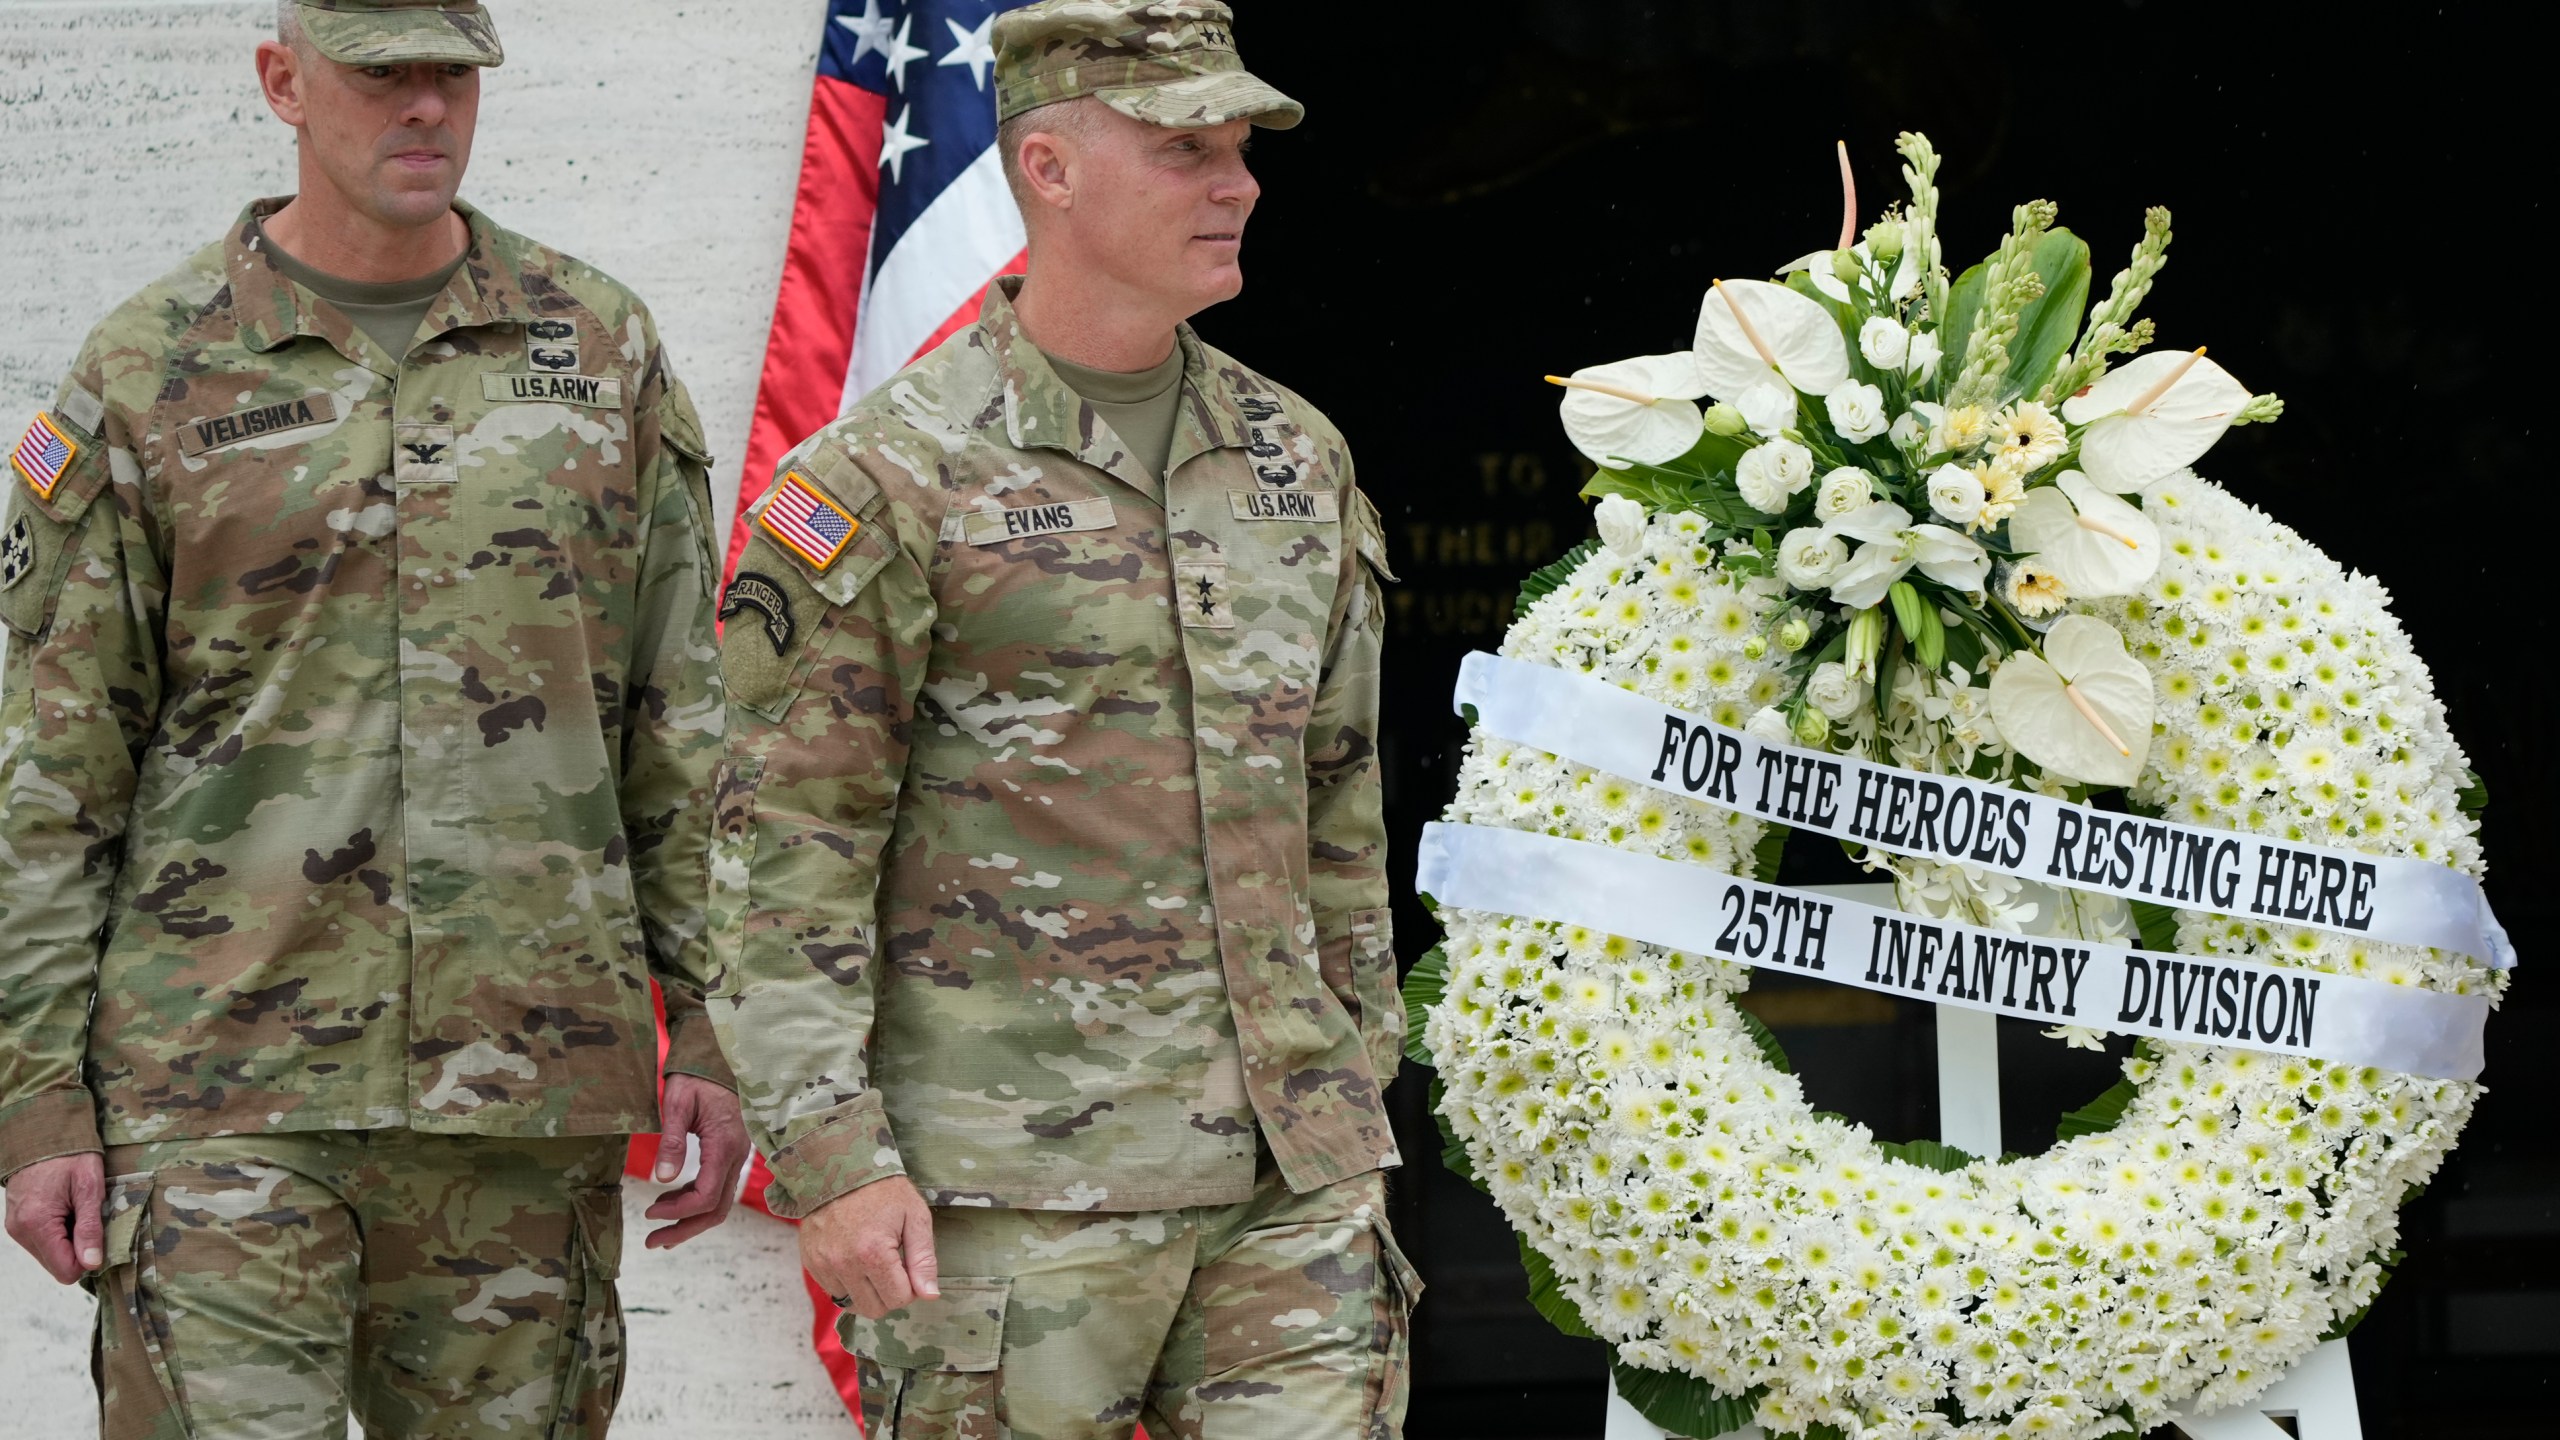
{"points": [[1641, 411], [1895, 547], [2152, 417], [1906, 273], [1621, 523], [2098, 545], [2082, 709], [1751, 332]]}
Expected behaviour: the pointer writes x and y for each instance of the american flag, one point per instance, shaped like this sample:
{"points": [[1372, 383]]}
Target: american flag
{"points": [[902, 220], [42, 455], [809, 522]]}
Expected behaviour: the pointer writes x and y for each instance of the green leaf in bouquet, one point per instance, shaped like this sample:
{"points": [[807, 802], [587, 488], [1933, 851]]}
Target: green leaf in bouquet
{"points": [[1766, 855], [2474, 798], [1928, 1154], [1424, 985], [1767, 1039], [1546, 579], [2048, 324], [1964, 311], [1683, 1404], [2157, 924], [2098, 1116], [1548, 1298]]}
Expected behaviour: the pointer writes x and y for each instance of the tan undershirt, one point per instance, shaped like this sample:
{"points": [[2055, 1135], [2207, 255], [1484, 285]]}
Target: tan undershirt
{"points": [[388, 313], [1141, 408]]}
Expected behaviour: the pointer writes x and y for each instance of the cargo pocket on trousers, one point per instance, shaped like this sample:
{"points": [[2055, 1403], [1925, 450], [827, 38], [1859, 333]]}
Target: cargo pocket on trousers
{"points": [[1399, 1290], [930, 1370], [138, 1395], [592, 1349]]}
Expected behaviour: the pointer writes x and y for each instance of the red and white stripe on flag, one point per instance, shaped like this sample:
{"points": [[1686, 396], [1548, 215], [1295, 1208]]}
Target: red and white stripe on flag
{"points": [[901, 222]]}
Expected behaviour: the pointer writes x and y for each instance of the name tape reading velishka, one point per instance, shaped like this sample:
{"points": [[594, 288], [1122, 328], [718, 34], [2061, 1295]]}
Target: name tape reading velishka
{"points": [[2179, 998], [1954, 819]]}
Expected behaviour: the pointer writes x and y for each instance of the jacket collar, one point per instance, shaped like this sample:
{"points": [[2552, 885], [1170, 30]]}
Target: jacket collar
{"points": [[271, 310], [1042, 411]]}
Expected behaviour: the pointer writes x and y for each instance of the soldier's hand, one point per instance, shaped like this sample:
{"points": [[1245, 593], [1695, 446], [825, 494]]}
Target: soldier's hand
{"points": [[694, 1106], [54, 1213], [872, 1249]]}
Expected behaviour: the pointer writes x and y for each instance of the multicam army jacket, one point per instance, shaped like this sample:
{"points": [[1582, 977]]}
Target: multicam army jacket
{"points": [[361, 716], [1050, 867]]}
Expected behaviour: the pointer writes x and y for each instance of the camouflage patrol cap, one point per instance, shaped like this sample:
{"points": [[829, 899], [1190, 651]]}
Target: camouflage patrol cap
{"points": [[1166, 62], [402, 32]]}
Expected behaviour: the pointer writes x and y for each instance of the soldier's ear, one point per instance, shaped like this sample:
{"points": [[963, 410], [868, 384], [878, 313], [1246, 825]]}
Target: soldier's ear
{"points": [[280, 80]]}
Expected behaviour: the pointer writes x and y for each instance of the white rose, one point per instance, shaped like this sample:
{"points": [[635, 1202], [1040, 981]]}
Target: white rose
{"points": [[1910, 432], [1769, 475], [1884, 342], [1844, 491], [1956, 495], [1768, 725], [1621, 522], [1832, 692], [1924, 354], [1809, 557], [1857, 411], [1767, 409]]}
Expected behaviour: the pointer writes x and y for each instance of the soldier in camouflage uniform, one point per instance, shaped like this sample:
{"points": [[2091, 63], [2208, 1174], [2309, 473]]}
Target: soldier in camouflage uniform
{"points": [[1049, 898], [362, 711]]}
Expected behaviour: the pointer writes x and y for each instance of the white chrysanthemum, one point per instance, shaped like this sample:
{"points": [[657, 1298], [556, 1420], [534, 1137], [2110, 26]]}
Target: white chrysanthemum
{"points": [[1706, 1222]]}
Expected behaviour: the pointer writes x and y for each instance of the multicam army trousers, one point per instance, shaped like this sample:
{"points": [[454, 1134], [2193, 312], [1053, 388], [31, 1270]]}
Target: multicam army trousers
{"points": [[1283, 1318], [262, 1287]]}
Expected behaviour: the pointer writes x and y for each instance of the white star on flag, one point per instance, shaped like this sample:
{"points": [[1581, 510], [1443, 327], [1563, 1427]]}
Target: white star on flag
{"points": [[895, 142], [870, 32], [973, 48], [898, 52]]}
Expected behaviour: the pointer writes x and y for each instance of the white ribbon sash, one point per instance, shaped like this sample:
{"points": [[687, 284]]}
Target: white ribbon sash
{"points": [[2177, 998], [1972, 822]]}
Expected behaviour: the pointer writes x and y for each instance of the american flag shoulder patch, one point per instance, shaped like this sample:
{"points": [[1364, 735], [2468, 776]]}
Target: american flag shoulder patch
{"points": [[44, 453], [802, 520]]}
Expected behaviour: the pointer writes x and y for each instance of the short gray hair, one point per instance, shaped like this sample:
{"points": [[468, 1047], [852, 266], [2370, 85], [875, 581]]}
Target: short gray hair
{"points": [[289, 25], [1059, 117]]}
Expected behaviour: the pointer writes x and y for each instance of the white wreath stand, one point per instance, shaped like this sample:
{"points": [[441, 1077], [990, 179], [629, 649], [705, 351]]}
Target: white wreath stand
{"points": [[2319, 1397]]}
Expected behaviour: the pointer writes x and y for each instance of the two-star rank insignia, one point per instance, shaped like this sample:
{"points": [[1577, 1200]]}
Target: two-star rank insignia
{"points": [[802, 520], [43, 454]]}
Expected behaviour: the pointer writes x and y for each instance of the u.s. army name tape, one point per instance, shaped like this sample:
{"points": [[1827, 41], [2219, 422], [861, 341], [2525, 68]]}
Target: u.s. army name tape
{"points": [[1972, 822], [2185, 998]]}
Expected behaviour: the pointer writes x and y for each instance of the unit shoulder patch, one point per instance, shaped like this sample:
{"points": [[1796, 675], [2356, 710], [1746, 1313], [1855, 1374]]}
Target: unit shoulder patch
{"points": [[803, 520], [1022, 522], [17, 554]]}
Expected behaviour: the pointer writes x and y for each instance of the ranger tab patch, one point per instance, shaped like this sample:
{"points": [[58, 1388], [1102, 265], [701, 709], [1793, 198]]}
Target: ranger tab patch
{"points": [[802, 520], [764, 595], [43, 453]]}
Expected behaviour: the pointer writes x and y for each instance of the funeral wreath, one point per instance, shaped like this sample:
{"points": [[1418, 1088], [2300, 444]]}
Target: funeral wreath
{"points": [[1917, 561]]}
